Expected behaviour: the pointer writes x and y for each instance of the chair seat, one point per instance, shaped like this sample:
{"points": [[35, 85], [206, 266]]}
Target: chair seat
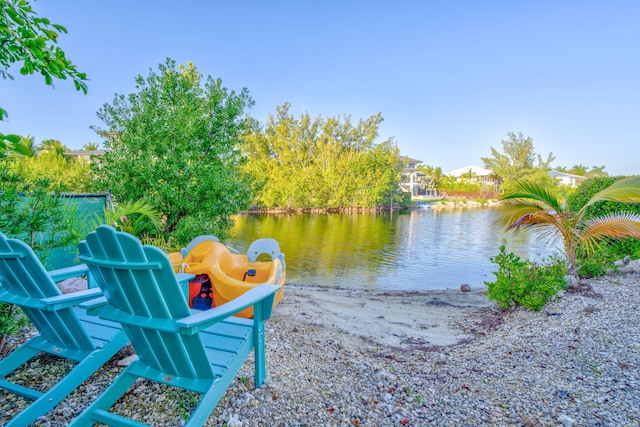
{"points": [[227, 340]]}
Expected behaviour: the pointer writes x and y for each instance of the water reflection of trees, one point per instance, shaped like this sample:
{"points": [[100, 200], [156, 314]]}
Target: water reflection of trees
{"points": [[340, 243], [374, 250]]}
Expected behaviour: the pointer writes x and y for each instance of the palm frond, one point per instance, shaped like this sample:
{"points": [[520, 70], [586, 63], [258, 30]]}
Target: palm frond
{"points": [[600, 230], [510, 212], [536, 221], [547, 225], [524, 190], [616, 225], [551, 235], [133, 217]]}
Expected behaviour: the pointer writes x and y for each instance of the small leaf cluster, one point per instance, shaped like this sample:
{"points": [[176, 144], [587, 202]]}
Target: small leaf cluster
{"points": [[25, 37], [525, 283]]}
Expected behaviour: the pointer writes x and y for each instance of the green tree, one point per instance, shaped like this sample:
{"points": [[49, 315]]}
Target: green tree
{"points": [[61, 174], [433, 176], [31, 40], [53, 146], [320, 163], [596, 171], [582, 170], [173, 144], [91, 146], [579, 170], [519, 161], [532, 206]]}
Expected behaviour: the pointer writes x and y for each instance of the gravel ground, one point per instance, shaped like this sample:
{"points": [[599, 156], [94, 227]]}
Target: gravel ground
{"points": [[576, 363]]}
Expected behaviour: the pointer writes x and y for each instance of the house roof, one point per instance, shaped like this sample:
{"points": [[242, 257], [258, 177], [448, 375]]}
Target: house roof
{"points": [[477, 170], [84, 152], [559, 174]]}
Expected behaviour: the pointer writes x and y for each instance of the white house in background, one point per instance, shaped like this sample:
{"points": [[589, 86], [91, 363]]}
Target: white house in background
{"points": [[474, 174], [84, 154], [567, 178], [411, 176], [478, 173]]}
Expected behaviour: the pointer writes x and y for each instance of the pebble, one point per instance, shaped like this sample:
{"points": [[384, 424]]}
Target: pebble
{"points": [[578, 367]]}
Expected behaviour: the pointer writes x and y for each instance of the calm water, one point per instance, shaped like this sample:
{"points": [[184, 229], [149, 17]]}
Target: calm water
{"points": [[419, 249]]}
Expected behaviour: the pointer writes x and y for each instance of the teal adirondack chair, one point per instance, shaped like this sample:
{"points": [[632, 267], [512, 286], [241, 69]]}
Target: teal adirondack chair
{"points": [[201, 352], [64, 331]]}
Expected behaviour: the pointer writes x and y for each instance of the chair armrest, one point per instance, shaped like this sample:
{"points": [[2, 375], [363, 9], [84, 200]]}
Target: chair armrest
{"points": [[69, 272], [93, 306], [11, 298], [183, 282], [196, 322], [69, 300], [108, 312], [183, 278]]}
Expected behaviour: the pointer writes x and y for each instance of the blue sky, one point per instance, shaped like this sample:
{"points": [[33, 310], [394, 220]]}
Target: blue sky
{"points": [[450, 78]]}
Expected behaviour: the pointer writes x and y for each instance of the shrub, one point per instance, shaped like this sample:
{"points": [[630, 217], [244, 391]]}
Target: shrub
{"points": [[525, 283], [602, 262]]}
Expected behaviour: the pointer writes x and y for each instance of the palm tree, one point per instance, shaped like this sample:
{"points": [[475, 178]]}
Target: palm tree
{"points": [[137, 218], [579, 170], [52, 145], [91, 146], [597, 171], [531, 206]]}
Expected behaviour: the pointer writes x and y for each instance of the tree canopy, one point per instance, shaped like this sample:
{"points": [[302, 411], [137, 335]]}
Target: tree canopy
{"points": [[321, 162], [173, 143], [60, 173], [582, 170], [31, 40], [518, 160]]}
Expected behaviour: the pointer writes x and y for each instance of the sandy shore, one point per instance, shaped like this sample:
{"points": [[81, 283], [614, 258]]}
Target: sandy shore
{"points": [[400, 319]]}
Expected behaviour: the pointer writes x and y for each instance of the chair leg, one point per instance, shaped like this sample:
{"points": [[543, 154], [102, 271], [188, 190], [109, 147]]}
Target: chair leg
{"points": [[17, 358], [209, 401], [106, 399], [83, 370], [259, 350]]}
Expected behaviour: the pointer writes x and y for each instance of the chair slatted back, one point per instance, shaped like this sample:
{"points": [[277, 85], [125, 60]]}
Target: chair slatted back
{"points": [[139, 283], [24, 279]]}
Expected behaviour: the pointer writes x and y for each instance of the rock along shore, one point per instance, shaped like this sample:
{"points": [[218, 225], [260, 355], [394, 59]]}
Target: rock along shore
{"points": [[339, 357]]}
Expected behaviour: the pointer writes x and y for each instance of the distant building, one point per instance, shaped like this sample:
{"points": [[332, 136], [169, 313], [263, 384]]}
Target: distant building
{"points": [[567, 179], [84, 154], [481, 174], [411, 175], [474, 174]]}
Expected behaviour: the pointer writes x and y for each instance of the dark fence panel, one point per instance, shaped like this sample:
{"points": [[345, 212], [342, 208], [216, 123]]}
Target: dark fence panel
{"points": [[88, 209]]}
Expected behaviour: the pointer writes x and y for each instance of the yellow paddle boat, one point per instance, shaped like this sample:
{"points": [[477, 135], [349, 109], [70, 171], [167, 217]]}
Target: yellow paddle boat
{"points": [[222, 276]]}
